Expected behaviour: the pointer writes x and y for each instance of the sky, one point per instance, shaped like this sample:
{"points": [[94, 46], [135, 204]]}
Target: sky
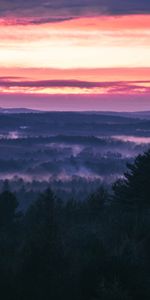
{"points": [[75, 55]]}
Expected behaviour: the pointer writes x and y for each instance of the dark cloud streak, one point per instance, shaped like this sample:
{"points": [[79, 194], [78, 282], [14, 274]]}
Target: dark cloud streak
{"points": [[37, 11], [115, 86]]}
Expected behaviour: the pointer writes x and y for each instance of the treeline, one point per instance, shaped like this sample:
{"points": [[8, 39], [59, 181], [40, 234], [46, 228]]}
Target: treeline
{"points": [[98, 249]]}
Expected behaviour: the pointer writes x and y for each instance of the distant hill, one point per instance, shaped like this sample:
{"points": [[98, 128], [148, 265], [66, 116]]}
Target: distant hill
{"points": [[17, 110], [138, 114]]}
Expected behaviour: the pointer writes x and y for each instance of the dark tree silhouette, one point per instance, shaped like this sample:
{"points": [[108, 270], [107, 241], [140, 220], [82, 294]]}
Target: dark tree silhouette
{"points": [[98, 199], [42, 251], [134, 190], [9, 234], [8, 205]]}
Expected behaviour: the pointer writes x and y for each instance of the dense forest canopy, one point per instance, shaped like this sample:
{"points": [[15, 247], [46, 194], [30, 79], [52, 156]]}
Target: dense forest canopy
{"points": [[94, 249]]}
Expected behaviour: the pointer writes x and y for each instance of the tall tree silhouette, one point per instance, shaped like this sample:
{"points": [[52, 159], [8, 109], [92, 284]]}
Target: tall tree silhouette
{"points": [[8, 205], [42, 250], [135, 188], [9, 233]]}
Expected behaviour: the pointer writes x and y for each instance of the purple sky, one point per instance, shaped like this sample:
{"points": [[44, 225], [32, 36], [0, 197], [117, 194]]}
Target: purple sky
{"points": [[77, 55], [77, 102]]}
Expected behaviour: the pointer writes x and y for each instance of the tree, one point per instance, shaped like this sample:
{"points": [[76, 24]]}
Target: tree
{"points": [[6, 186], [134, 189], [8, 205], [9, 237], [42, 252], [98, 199]]}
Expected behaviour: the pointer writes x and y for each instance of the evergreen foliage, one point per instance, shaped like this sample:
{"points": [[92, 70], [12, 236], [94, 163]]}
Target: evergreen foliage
{"points": [[97, 249]]}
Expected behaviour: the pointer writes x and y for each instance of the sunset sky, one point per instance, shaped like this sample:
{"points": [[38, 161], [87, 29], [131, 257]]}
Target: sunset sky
{"points": [[75, 55]]}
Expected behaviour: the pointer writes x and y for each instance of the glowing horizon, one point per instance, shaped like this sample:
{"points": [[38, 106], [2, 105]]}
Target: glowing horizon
{"points": [[76, 54]]}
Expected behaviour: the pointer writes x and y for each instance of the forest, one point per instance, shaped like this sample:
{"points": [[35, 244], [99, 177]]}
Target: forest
{"points": [[95, 249], [63, 147]]}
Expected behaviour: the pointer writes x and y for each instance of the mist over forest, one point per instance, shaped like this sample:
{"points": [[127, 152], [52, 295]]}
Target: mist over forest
{"points": [[67, 150]]}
